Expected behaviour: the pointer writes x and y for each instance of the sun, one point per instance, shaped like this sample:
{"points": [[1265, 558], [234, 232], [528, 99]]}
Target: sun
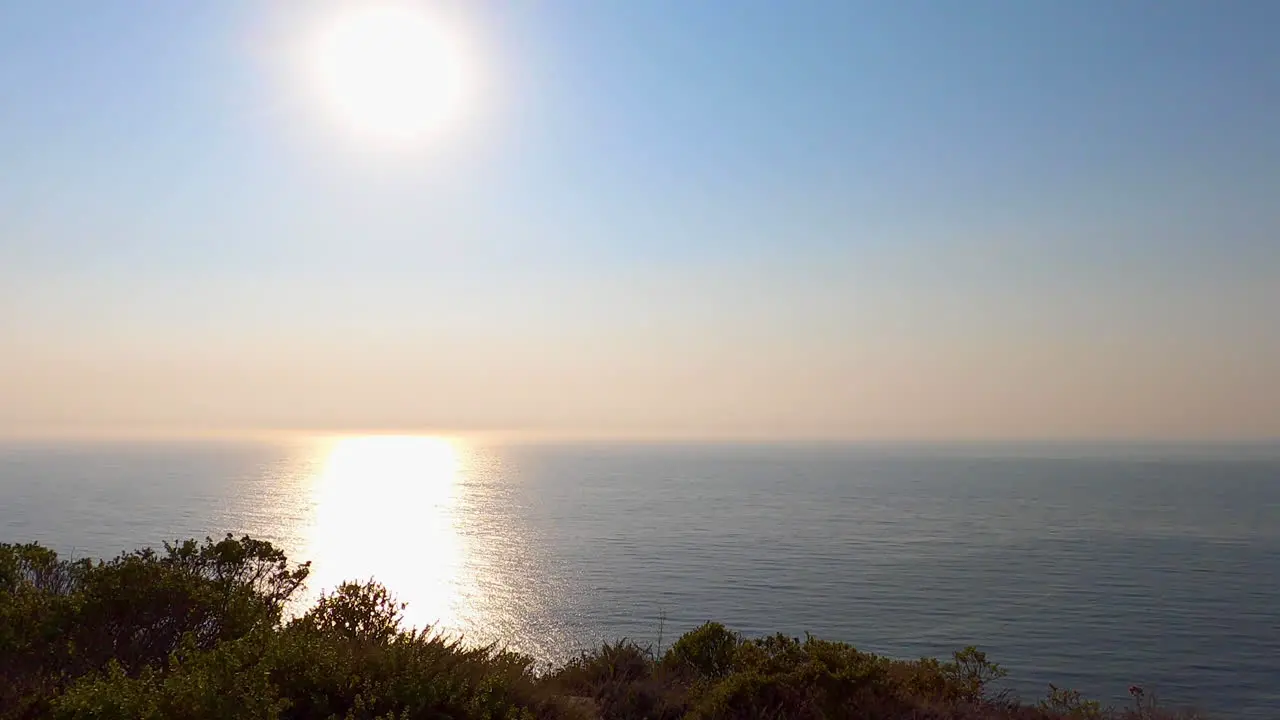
{"points": [[390, 72]]}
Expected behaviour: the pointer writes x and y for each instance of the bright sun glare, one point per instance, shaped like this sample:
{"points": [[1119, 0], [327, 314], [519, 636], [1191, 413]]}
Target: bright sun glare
{"points": [[390, 72], [384, 506]]}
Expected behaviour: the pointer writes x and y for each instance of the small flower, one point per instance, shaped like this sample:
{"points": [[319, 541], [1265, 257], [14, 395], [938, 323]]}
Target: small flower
{"points": [[1135, 690]]}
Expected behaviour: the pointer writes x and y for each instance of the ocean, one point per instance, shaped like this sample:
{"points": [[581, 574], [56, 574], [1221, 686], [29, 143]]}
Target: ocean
{"points": [[1091, 567]]}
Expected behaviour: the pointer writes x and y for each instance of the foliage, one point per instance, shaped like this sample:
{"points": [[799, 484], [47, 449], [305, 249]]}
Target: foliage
{"points": [[622, 680], [1071, 704], [199, 631], [707, 651], [782, 676], [67, 619], [348, 657], [712, 673]]}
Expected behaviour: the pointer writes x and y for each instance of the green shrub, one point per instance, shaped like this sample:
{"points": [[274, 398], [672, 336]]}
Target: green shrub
{"points": [[1071, 704], [64, 620], [349, 657], [780, 676], [357, 612], [229, 682], [198, 631], [707, 651], [623, 682], [972, 674]]}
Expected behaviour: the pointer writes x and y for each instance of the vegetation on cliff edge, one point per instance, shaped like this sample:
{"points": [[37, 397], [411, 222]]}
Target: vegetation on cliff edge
{"points": [[199, 631]]}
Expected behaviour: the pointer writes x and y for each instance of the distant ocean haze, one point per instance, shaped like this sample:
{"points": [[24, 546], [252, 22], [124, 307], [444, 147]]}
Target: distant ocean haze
{"points": [[1093, 567]]}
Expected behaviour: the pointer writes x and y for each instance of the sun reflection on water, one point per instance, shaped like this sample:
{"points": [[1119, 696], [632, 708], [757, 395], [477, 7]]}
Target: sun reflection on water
{"points": [[385, 507]]}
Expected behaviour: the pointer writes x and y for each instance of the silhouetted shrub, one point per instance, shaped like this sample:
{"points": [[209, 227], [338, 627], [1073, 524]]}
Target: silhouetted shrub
{"points": [[198, 632], [623, 681], [708, 651], [1071, 704], [63, 620], [348, 657]]}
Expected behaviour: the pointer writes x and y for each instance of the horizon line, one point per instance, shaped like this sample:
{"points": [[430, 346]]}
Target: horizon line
{"points": [[141, 433]]}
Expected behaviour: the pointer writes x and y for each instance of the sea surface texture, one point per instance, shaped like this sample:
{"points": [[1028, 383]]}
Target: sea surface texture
{"points": [[1088, 567]]}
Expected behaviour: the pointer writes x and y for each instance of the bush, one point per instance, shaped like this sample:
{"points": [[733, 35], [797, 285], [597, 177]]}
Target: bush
{"points": [[1071, 704], [226, 683], [348, 657], [198, 631], [712, 673], [785, 677], [66, 620], [707, 651], [622, 680]]}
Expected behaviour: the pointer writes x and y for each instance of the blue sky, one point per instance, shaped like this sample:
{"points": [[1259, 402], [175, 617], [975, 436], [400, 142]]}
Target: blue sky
{"points": [[892, 219]]}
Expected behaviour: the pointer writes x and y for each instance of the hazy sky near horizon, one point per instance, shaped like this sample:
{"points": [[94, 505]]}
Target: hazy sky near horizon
{"points": [[688, 219]]}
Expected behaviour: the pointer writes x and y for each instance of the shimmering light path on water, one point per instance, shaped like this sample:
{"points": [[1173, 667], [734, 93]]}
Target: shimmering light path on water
{"points": [[1093, 568]]}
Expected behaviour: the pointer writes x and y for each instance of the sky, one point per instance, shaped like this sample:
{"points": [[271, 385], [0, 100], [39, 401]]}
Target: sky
{"points": [[749, 219]]}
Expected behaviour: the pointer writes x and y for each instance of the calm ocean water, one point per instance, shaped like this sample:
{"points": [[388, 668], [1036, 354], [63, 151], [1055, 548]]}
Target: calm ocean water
{"points": [[1093, 568]]}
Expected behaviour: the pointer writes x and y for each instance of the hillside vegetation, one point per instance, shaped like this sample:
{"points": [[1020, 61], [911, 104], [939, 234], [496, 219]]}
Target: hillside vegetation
{"points": [[199, 631]]}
